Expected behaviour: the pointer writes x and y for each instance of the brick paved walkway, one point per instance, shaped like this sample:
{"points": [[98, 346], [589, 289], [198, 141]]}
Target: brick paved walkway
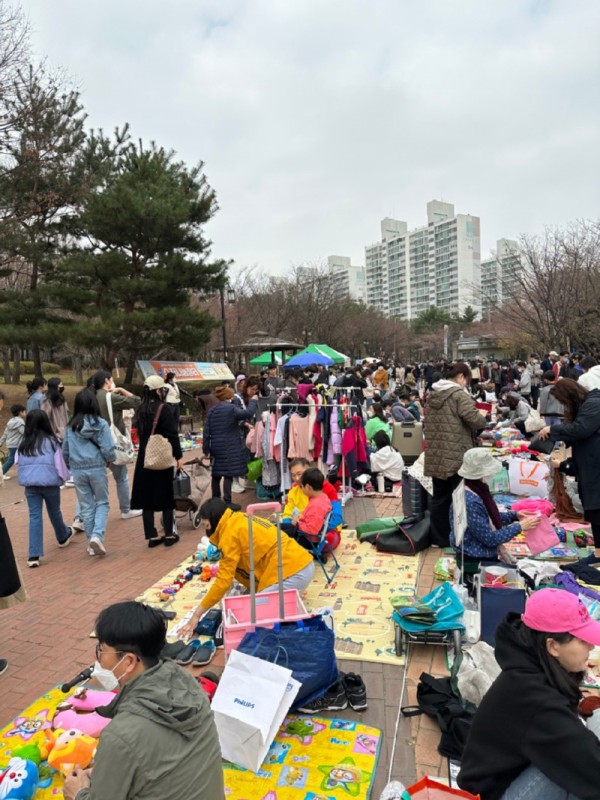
{"points": [[46, 640]]}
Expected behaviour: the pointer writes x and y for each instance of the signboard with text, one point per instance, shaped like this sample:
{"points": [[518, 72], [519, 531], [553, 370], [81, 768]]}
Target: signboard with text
{"points": [[187, 370]]}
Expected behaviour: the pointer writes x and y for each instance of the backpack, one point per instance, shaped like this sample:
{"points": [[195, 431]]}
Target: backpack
{"points": [[438, 698]]}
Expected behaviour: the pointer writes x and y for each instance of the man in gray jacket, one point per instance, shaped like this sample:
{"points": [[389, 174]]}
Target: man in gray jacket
{"points": [[120, 400], [162, 742]]}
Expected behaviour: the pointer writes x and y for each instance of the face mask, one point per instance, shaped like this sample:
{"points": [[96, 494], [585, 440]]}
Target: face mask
{"points": [[106, 677]]}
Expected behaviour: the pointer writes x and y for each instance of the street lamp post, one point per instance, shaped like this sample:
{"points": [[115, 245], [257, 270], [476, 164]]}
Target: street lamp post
{"points": [[230, 300]]}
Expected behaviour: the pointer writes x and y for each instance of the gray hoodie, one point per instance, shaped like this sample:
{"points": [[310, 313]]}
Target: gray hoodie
{"points": [[13, 433], [162, 743]]}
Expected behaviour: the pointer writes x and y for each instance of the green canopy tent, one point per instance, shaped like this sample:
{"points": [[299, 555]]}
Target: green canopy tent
{"points": [[325, 350], [264, 359]]}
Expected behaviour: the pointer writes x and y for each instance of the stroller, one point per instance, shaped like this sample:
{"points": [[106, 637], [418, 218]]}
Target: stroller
{"points": [[200, 480]]}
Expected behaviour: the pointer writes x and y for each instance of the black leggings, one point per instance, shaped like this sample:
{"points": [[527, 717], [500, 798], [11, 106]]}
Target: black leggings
{"points": [[168, 519], [596, 534], [216, 486]]}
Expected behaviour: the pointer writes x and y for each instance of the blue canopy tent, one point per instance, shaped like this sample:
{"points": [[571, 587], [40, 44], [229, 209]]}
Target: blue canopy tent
{"points": [[308, 359]]}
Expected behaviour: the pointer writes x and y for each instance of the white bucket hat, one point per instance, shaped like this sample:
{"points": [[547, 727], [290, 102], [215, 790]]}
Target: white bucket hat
{"points": [[478, 465]]}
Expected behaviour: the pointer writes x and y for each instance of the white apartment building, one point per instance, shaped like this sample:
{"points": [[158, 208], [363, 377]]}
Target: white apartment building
{"points": [[408, 272], [498, 275], [348, 279]]}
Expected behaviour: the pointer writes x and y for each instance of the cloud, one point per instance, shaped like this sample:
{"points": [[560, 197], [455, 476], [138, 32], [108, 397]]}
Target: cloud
{"points": [[316, 119]]}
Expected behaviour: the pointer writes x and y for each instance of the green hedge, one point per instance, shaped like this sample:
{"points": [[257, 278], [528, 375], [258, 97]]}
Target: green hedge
{"points": [[48, 368]]}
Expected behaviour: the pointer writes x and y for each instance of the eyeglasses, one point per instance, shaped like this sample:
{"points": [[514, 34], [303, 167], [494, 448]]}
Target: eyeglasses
{"points": [[100, 652]]}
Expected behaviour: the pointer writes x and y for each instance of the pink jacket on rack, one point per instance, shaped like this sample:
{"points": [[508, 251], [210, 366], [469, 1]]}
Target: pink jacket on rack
{"points": [[355, 439]]}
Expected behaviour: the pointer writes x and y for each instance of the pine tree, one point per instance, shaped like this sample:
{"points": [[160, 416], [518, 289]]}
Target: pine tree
{"points": [[142, 258]]}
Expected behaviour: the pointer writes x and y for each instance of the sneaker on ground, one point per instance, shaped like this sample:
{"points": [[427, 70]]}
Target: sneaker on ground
{"points": [[77, 525], [67, 541], [3, 665], [97, 545], [33, 562], [7, 478], [237, 488], [218, 637], [131, 514], [90, 552], [69, 484], [355, 691], [334, 699]]}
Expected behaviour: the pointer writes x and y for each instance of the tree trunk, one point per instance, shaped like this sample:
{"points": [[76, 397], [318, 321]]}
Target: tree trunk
{"points": [[37, 361], [78, 370], [16, 364], [6, 365], [129, 371]]}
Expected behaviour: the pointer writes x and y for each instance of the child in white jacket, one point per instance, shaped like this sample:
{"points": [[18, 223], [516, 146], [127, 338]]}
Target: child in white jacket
{"points": [[386, 461], [13, 436]]}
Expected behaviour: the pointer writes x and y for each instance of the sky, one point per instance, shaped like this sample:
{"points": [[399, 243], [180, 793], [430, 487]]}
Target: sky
{"points": [[317, 118]]}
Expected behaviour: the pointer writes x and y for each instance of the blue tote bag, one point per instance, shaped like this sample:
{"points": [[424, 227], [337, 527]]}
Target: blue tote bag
{"points": [[305, 646]]}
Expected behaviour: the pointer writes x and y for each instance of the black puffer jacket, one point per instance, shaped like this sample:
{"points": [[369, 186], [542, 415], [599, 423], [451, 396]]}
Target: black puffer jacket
{"points": [[584, 436], [221, 439], [523, 720]]}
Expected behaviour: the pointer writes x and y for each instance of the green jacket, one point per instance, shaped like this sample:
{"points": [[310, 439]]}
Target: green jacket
{"points": [[162, 743], [119, 404]]}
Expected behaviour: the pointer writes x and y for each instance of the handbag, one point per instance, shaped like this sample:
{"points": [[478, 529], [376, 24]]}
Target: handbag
{"points": [[254, 470], [367, 531], [60, 465], [534, 421], [123, 444], [182, 485], [414, 496], [159, 453], [406, 540], [12, 590], [304, 646]]}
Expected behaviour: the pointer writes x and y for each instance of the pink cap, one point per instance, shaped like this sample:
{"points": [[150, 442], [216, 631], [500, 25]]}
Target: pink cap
{"points": [[558, 611]]}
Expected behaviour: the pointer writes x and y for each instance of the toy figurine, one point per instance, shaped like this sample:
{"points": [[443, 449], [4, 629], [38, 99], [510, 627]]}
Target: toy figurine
{"points": [[70, 749], [19, 781], [214, 568], [205, 575], [213, 553], [203, 546]]}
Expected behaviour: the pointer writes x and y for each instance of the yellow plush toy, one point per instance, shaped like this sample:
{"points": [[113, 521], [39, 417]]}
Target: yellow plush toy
{"points": [[70, 749]]}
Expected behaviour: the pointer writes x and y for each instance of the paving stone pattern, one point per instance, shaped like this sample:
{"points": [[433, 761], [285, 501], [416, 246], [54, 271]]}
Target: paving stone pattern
{"points": [[46, 640]]}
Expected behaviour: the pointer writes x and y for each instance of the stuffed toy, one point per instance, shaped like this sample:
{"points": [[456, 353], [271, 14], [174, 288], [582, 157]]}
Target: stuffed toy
{"points": [[206, 575], [79, 711], [70, 749], [19, 781]]}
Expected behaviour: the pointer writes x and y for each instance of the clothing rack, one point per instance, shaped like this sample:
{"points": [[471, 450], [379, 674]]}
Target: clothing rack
{"points": [[346, 493]]}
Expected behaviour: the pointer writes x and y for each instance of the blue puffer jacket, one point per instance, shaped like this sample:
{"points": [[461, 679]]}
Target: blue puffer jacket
{"points": [[91, 447], [39, 469]]}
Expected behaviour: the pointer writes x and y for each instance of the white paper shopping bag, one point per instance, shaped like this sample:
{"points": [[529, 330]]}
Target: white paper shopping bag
{"points": [[528, 478], [249, 706]]}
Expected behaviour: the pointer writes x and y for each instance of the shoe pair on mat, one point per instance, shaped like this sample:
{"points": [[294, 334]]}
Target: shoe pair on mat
{"points": [[349, 689], [195, 652]]}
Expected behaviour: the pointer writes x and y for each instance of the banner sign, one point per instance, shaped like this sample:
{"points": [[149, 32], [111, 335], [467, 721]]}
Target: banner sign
{"points": [[187, 370]]}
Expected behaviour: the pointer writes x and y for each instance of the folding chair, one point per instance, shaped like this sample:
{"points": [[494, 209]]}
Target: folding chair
{"points": [[321, 554]]}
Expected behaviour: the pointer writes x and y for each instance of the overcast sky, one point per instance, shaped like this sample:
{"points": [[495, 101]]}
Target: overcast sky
{"points": [[317, 118]]}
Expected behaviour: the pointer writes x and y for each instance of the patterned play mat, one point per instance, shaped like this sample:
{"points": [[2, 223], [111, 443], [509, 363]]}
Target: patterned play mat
{"points": [[311, 758], [360, 598]]}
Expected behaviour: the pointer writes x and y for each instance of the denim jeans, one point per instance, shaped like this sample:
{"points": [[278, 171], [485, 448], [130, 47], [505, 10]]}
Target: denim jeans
{"points": [[122, 481], [10, 460], [91, 486], [534, 785], [36, 495]]}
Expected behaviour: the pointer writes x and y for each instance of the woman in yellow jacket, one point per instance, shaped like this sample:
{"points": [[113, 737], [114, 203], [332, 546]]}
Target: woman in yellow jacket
{"points": [[228, 530]]}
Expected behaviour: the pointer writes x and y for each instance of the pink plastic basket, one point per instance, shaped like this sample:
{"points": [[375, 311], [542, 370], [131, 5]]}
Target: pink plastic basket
{"points": [[267, 614]]}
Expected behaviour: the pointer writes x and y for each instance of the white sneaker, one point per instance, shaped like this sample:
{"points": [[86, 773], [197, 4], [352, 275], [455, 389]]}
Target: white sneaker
{"points": [[97, 545], [131, 514], [7, 478], [77, 525], [69, 484], [237, 488]]}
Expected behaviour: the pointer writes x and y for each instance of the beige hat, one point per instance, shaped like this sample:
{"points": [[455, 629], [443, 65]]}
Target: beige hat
{"points": [[553, 353], [154, 382], [478, 464]]}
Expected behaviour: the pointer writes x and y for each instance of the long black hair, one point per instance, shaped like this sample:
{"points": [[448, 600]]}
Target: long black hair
{"points": [[151, 400], [53, 394], [567, 683], [37, 430], [86, 404], [377, 410], [381, 439]]}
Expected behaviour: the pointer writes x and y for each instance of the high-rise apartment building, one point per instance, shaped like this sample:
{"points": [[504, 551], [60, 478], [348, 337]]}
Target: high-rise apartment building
{"points": [[408, 272], [348, 279], [499, 275]]}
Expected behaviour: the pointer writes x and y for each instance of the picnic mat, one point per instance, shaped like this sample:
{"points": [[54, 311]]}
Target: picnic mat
{"points": [[360, 598], [311, 758]]}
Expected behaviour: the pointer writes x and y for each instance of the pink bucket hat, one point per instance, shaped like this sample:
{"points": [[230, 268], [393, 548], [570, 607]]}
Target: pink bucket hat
{"points": [[558, 611]]}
